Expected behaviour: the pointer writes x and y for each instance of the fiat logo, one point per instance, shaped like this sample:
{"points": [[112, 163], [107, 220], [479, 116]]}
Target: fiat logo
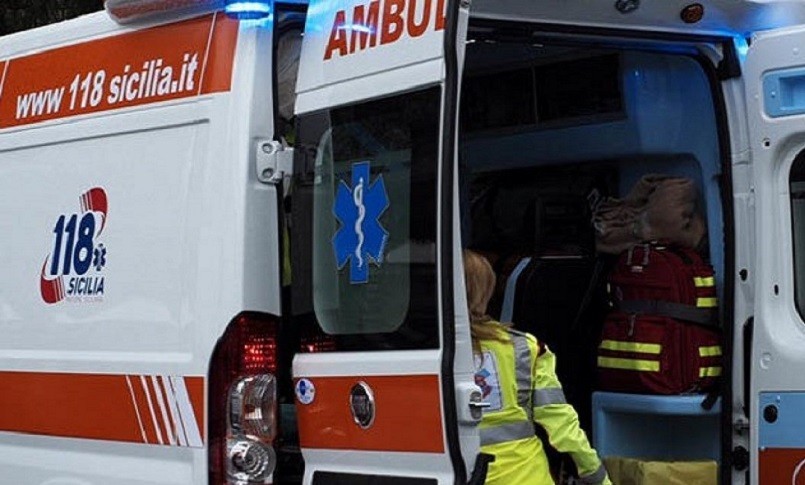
{"points": [[362, 405]]}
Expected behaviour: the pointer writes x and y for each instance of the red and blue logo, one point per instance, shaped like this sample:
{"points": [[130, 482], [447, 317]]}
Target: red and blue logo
{"points": [[480, 381], [73, 270]]}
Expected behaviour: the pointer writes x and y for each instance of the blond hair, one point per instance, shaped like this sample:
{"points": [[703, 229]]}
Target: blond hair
{"points": [[479, 279]]}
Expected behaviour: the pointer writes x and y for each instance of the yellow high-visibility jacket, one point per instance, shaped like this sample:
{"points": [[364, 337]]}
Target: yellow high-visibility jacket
{"points": [[518, 380]]}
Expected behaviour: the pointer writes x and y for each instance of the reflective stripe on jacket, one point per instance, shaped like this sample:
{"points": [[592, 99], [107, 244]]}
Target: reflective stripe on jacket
{"points": [[519, 382]]}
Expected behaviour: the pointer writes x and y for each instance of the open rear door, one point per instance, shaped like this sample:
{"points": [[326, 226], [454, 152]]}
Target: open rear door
{"points": [[775, 86], [384, 380]]}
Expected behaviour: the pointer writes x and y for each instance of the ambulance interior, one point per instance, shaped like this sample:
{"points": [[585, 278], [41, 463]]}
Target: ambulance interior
{"points": [[547, 129]]}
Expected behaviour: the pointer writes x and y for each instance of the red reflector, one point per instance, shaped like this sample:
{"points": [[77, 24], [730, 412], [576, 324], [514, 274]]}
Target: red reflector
{"points": [[692, 13]]}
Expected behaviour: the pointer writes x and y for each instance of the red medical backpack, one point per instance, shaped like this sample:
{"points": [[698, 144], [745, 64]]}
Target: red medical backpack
{"points": [[661, 336]]}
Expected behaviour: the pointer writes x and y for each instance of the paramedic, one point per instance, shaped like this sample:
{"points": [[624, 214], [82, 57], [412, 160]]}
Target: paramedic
{"points": [[518, 380]]}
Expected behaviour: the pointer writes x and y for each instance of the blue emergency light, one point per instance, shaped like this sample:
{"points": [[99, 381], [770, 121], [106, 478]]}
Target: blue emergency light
{"points": [[248, 10]]}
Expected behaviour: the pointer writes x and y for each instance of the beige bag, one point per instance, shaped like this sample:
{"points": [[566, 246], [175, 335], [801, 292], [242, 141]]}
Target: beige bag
{"points": [[631, 471], [658, 208]]}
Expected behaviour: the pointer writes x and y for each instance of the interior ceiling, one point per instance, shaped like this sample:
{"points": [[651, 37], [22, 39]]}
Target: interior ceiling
{"points": [[721, 17], [488, 55]]}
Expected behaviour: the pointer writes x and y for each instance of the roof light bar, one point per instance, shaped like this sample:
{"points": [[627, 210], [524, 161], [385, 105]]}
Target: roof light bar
{"points": [[243, 10], [132, 11]]}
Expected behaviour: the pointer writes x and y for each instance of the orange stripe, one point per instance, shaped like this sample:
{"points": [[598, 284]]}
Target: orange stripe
{"points": [[137, 68], [92, 406], [162, 409], [408, 415], [173, 411], [153, 410], [221, 56], [170, 403], [3, 66], [195, 390], [781, 465], [142, 407]]}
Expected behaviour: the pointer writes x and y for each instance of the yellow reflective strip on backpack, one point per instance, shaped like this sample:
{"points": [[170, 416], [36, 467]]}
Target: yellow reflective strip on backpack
{"points": [[709, 302], [709, 371], [704, 282], [629, 364], [712, 351], [637, 347]]}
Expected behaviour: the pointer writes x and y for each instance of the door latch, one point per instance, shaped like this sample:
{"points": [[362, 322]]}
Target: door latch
{"points": [[741, 426]]}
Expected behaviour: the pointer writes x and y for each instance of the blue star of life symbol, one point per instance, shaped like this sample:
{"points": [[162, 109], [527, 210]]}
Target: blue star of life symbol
{"points": [[99, 259], [360, 238]]}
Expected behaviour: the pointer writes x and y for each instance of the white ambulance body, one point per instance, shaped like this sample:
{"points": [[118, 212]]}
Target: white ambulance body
{"points": [[553, 95], [140, 138], [182, 305]]}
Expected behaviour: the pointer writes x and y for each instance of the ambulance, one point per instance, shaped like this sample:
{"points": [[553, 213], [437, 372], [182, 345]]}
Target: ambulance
{"points": [[231, 232]]}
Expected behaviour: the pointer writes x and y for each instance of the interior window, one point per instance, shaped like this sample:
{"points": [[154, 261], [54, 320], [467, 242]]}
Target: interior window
{"points": [[797, 190], [578, 90], [371, 170], [288, 50]]}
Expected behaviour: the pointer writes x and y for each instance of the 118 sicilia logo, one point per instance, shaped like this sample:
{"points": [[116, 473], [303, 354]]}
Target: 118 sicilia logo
{"points": [[73, 271]]}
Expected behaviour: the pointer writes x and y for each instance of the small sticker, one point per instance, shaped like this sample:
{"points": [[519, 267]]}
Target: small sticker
{"points": [[305, 391], [487, 379], [361, 237]]}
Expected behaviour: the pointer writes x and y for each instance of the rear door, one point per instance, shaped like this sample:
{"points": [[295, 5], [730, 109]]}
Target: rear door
{"points": [[775, 87], [384, 377]]}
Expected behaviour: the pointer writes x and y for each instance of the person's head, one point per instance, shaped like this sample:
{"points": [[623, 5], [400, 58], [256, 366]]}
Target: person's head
{"points": [[479, 278]]}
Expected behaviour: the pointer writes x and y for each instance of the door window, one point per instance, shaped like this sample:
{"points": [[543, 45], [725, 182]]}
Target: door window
{"points": [[369, 175], [797, 191]]}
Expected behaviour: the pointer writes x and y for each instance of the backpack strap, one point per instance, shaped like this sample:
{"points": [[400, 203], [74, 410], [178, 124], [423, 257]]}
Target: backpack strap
{"points": [[679, 311]]}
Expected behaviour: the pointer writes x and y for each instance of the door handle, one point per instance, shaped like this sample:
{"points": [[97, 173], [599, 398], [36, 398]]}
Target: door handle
{"points": [[471, 403], [480, 405], [477, 405]]}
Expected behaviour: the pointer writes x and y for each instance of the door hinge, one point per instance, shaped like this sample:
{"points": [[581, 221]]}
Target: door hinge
{"points": [[274, 161]]}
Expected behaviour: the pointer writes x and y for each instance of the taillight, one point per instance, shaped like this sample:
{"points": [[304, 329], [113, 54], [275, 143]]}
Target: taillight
{"points": [[317, 343], [243, 402], [312, 339]]}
